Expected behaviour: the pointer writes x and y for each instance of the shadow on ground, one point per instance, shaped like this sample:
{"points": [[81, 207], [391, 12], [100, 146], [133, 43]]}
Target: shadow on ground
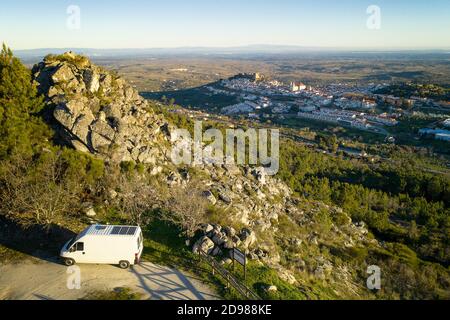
{"points": [[37, 241], [164, 283]]}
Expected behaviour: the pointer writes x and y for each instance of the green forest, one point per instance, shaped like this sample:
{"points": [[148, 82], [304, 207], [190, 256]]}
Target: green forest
{"points": [[431, 91], [398, 202]]}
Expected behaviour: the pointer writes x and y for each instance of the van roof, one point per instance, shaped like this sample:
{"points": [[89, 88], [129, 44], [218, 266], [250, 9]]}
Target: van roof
{"points": [[104, 230]]}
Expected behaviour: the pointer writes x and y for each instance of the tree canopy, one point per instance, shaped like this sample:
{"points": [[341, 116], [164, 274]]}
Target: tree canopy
{"points": [[21, 130]]}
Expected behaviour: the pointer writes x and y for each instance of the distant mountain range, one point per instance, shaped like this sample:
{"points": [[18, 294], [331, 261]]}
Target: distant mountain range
{"points": [[37, 54]]}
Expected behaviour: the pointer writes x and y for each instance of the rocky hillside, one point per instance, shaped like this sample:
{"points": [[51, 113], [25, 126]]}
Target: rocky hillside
{"points": [[313, 247], [98, 112]]}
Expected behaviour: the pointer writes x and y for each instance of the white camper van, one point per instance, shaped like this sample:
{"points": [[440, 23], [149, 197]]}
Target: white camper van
{"points": [[98, 244]]}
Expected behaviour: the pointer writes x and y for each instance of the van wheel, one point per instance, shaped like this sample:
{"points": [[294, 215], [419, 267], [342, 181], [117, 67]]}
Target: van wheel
{"points": [[69, 262], [124, 264]]}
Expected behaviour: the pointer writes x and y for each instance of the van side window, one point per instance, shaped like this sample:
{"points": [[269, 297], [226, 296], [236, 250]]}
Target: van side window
{"points": [[80, 246]]}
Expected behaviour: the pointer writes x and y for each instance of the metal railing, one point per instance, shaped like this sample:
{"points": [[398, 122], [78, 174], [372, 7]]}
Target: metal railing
{"points": [[228, 277]]}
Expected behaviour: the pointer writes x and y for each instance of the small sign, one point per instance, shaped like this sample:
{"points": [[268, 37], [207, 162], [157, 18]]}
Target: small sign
{"points": [[239, 256]]}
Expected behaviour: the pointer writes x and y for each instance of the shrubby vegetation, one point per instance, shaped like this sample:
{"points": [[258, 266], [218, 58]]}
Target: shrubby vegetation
{"points": [[39, 182], [78, 60], [398, 201], [431, 91]]}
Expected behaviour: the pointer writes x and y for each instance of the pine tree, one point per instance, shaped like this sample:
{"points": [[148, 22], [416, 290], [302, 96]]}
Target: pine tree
{"points": [[20, 129]]}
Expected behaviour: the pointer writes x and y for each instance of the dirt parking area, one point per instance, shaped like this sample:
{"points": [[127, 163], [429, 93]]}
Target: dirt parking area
{"points": [[53, 281]]}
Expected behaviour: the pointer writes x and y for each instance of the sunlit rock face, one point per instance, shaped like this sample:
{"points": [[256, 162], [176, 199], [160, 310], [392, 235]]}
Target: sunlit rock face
{"points": [[99, 111]]}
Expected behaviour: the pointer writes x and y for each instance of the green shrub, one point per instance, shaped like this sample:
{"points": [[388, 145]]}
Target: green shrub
{"points": [[127, 166]]}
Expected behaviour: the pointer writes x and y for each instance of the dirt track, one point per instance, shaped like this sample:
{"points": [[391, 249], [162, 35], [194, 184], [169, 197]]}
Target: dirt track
{"points": [[48, 281]]}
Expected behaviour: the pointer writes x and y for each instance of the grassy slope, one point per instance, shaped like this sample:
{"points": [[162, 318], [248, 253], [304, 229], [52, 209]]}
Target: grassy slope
{"points": [[163, 245]]}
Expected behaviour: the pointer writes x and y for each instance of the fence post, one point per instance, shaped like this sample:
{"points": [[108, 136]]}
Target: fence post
{"points": [[234, 258], [231, 280], [245, 271]]}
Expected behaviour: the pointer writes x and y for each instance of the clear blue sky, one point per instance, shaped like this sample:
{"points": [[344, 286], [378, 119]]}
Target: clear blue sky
{"points": [[26, 24]]}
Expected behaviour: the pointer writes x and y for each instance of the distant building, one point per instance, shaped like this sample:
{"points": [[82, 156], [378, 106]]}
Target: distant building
{"points": [[253, 104], [307, 108], [369, 103], [238, 108], [258, 76], [390, 139], [250, 97], [442, 136], [326, 102], [275, 83], [396, 101], [281, 108], [297, 86], [439, 134]]}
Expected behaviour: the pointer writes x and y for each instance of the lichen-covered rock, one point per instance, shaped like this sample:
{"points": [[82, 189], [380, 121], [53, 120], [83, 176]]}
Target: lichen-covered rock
{"points": [[219, 238], [204, 244], [99, 112], [248, 238], [229, 231], [271, 289], [62, 74], [210, 197], [91, 80]]}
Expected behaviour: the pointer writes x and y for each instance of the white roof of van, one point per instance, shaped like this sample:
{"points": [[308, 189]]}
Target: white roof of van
{"points": [[103, 230]]}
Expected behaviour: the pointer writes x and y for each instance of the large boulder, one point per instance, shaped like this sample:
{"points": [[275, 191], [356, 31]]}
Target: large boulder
{"points": [[223, 196], [67, 113], [99, 113], [206, 228], [260, 175], [91, 80], [204, 244], [229, 231], [247, 237], [210, 197], [88, 209], [62, 74], [219, 238]]}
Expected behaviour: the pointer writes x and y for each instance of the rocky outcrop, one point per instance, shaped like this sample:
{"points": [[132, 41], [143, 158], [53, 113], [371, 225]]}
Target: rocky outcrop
{"points": [[99, 112], [220, 241]]}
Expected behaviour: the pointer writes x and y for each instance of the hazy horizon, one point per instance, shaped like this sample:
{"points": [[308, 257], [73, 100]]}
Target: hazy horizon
{"points": [[249, 46], [138, 24]]}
